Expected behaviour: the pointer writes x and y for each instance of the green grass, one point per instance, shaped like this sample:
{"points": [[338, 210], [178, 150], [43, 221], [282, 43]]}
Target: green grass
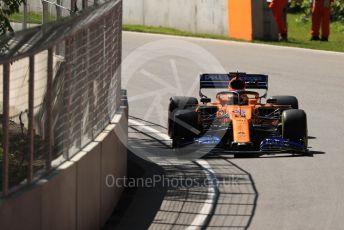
{"points": [[171, 31], [299, 34], [34, 18]]}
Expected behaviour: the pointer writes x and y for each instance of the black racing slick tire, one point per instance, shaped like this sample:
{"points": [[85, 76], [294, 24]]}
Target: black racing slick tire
{"points": [[179, 103], [184, 126], [286, 100], [294, 125]]}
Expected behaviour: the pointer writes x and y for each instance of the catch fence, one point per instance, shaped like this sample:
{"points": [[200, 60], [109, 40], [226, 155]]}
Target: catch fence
{"points": [[61, 86]]}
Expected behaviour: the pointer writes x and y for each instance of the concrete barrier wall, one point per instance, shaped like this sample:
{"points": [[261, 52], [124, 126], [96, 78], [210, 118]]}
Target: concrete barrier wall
{"points": [[75, 195], [249, 19], [197, 16]]}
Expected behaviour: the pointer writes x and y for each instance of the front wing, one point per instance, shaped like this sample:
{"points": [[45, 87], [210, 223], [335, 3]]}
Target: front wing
{"points": [[270, 145]]}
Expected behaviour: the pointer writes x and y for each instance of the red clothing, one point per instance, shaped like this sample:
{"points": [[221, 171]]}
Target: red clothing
{"points": [[277, 7], [321, 13]]}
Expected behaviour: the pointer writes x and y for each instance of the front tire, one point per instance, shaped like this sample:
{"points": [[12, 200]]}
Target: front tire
{"points": [[294, 125], [179, 103], [184, 126]]}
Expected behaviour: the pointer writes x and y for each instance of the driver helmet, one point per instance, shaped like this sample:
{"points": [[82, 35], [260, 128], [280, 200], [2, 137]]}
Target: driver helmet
{"points": [[236, 84]]}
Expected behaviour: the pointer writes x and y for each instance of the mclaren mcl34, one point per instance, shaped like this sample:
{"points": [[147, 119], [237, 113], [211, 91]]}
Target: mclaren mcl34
{"points": [[239, 119]]}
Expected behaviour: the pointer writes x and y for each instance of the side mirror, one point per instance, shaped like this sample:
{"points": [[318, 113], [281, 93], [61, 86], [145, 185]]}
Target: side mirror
{"points": [[205, 100], [271, 101]]}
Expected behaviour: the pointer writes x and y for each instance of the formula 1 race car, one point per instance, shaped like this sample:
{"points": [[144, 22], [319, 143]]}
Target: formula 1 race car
{"points": [[238, 121]]}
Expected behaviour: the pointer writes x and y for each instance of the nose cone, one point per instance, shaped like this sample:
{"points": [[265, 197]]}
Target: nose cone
{"points": [[241, 130]]}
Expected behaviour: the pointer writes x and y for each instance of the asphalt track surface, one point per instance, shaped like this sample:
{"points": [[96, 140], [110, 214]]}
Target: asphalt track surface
{"points": [[269, 192]]}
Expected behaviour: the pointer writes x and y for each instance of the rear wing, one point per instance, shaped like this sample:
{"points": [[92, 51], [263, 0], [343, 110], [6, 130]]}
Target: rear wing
{"points": [[221, 81]]}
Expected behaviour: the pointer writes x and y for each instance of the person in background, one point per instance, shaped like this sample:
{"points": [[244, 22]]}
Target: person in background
{"points": [[321, 12], [277, 8]]}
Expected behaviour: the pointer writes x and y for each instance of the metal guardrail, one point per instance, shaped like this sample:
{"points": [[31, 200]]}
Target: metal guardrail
{"points": [[61, 86]]}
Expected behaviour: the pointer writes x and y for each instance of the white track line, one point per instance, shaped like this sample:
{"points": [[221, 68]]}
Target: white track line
{"points": [[149, 129], [208, 204]]}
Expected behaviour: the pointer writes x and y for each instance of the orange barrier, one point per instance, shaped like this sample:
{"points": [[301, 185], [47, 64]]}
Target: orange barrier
{"points": [[240, 19]]}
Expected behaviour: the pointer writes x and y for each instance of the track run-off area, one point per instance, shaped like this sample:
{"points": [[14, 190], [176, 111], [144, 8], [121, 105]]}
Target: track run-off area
{"points": [[269, 192]]}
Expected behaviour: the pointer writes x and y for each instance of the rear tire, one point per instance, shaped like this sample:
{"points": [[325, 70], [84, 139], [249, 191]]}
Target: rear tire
{"points": [[294, 125], [286, 100]]}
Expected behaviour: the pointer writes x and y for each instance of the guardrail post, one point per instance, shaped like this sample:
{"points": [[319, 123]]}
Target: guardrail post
{"points": [[31, 134], [84, 4], [90, 80], [5, 127], [58, 9], [73, 7], [25, 14], [45, 15], [49, 108], [58, 17]]}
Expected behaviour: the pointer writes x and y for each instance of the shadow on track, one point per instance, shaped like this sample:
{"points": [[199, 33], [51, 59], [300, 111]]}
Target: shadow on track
{"points": [[175, 195], [138, 205], [237, 198], [183, 189]]}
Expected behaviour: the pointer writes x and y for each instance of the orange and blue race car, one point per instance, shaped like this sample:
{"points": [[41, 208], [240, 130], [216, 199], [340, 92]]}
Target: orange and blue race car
{"points": [[239, 120]]}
